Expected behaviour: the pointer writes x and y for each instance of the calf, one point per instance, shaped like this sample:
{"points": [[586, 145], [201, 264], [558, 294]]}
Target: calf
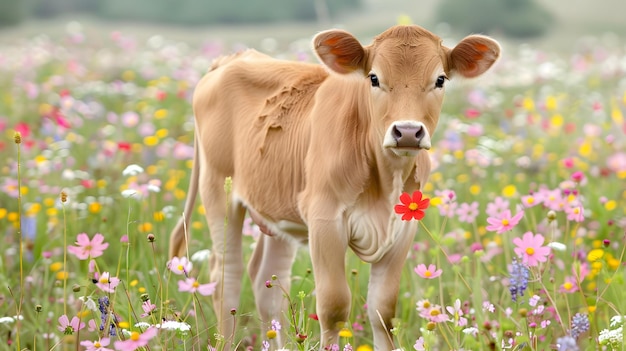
{"points": [[320, 154]]}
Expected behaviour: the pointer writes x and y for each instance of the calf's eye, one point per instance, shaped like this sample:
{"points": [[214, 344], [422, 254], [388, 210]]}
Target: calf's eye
{"points": [[440, 81], [374, 80]]}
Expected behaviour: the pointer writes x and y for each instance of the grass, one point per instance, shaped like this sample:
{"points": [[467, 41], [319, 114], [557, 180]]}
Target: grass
{"points": [[541, 124]]}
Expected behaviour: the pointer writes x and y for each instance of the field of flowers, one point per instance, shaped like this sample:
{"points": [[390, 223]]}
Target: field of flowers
{"points": [[522, 245]]}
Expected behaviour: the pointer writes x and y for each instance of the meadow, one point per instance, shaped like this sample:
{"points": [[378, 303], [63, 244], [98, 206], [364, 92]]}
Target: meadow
{"points": [[521, 248]]}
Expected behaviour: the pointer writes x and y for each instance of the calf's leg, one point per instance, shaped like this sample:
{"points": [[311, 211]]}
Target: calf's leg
{"points": [[328, 250], [225, 220], [272, 256], [384, 286]]}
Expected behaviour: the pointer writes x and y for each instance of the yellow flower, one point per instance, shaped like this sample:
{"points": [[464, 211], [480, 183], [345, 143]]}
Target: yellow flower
{"points": [[3, 213], [271, 334], [595, 255], [134, 282], [150, 140], [128, 75], [62, 275], [610, 205], [160, 113], [56, 266], [161, 133], [145, 227], [345, 333], [95, 207], [364, 348], [123, 325], [158, 216], [475, 189], [509, 191]]}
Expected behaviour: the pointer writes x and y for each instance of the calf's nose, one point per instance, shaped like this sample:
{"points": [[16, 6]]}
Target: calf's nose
{"points": [[408, 136]]}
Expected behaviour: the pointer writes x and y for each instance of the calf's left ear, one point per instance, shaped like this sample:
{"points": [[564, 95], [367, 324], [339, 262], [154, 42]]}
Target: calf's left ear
{"points": [[473, 56], [339, 51]]}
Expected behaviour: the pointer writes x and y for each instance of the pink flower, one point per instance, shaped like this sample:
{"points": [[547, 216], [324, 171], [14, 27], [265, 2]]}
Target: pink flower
{"points": [[147, 307], [457, 314], [191, 285], [531, 200], [136, 340], [495, 208], [530, 248], [578, 176], [98, 345], [467, 212], [88, 248], [419, 344], [68, 327], [575, 213], [429, 273], [504, 222], [570, 285], [106, 283], [180, 266]]}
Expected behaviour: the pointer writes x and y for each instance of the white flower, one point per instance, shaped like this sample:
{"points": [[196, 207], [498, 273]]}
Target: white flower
{"points": [[132, 170], [173, 325], [616, 321], [557, 246], [143, 325], [473, 331], [128, 193], [6, 320], [89, 303], [201, 256]]}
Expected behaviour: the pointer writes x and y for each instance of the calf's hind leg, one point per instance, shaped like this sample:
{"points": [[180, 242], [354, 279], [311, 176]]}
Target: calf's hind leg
{"points": [[225, 220], [272, 256]]}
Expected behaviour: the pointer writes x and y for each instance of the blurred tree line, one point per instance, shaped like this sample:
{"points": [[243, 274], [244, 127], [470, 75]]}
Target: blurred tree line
{"points": [[514, 18], [189, 12]]}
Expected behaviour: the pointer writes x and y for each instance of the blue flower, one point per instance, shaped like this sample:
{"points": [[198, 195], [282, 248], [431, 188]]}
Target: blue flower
{"points": [[518, 281]]}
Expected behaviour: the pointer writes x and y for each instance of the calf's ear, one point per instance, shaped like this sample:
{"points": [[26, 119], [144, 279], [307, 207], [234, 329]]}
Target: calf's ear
{"points": [[473, 55], [339, 51]]}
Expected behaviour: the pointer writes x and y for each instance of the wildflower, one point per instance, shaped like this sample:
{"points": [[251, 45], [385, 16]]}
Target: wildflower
{"points": [[419, 344], [275, 325], [107, 283], [497, 207], [265, 345], [617, 321], [580, 324], [473, 331], [191, 285], [530, 249], [613, 337], [347, 347], [575, 213], [531, 200], [69, 327], [488, 306], [569, 286], [429, 273], [180, 266], [457, 314], [504, 222], [98, 345], [201, 255], [467, 212], [566, 343], [412, 207], [345, 333], [132, 170], [518, 280], [86, 248], [534, 300], [136, 340], [148, 307], [174, 325]]}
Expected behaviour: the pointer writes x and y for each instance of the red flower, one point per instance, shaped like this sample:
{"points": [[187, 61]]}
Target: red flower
{"points": [[412, 207]]}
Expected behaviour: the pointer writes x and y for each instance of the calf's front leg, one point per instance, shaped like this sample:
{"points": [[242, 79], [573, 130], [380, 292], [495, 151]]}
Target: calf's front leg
{"points": [[328, 243], [384, 286]]}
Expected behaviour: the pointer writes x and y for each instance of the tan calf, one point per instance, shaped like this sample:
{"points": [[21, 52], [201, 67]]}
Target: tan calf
{"points": [[321, 153]]}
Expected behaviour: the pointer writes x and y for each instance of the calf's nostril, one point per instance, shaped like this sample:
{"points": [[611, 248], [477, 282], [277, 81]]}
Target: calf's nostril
{"points": [[396, 132]]}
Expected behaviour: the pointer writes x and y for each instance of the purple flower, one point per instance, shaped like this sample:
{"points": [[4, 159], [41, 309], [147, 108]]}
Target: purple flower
{"points": [[518, 280]]}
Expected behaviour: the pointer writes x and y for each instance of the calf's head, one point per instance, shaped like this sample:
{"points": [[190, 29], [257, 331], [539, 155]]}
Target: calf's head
{"points": [[406, 69]]}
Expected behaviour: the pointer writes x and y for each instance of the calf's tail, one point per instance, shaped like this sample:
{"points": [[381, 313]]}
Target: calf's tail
{"points": [[179, 238]]}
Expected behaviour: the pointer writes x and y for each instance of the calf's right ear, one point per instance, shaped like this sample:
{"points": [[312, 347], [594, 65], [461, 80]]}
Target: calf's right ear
{"points": [[339, 51]]}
